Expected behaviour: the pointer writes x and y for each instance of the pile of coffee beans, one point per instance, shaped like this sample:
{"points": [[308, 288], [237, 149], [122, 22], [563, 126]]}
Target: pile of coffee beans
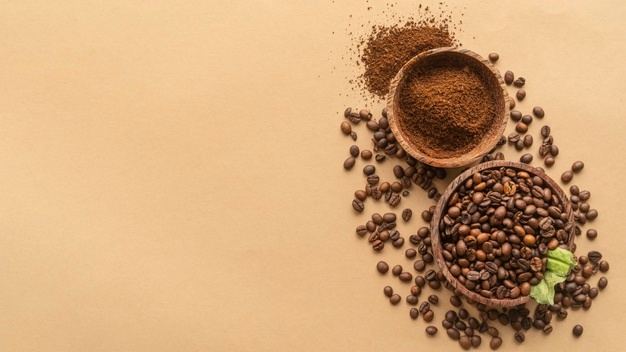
{"points": [[497, 227]]}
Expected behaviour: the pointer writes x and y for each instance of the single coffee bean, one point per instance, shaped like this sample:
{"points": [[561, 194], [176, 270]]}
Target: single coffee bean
{"points": [[520, 337], [428, 316], [389, 217], [519, 82], [549, 161], [397, 270], [361, 230], [521, 127], [516, 115], [419, 265], [453, 333], [431, 330], [410, 253], [526, 158], [567, 176], [398, 243], [476, 341], [547, 329], [365, 114], [373, 179], [455, 301], [382, 267], [358, 205], [414, 313], [592, 234], [521, 94], [495, 343], [406, 214], [369, 170], [574, 190], [538, 112], [509, 77], [346, 128], [577, 166], [493, 57], [527, 119], [433, 299], [604, 266], [519, 145], [380, 158], [594, 256], [602, 283], [349, 163], [511, 103], [528, 141], [395, 299], [592, 214], [577, 330], [388, 291], [545, 131], [465, 342], [584, 195], [554, 150], [427, 216], [412, 300], [584, 207], [366, 154], [378, 245], [360, 195]]}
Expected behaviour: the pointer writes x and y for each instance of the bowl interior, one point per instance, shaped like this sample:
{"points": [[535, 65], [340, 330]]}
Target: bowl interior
{"points": [[463, 59]]}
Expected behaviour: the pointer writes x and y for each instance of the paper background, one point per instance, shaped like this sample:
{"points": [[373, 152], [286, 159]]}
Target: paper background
{"points": [[171, 171]]}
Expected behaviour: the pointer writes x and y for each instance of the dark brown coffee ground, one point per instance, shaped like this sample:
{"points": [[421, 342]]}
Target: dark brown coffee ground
{"points": [[387, 49], [446, 109]]}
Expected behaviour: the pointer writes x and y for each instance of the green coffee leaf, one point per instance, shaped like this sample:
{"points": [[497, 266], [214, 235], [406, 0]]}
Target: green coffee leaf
{"points": [[560, 261]]}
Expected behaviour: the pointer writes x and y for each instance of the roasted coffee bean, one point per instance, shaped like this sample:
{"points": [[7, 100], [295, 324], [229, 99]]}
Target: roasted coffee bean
{"points": [[414, 313], [545, 131], [382, 267], [427, 216], [604, 266], [398, 243], [428, 316], [353, 135], [354, 151], [349, 163], [528, 141], [520, 337], [366, 154], [410, 253], [577, 330], [602, 283], [357, 205], [420, 281], [549, 161], [431, 330], [415, 240], [511, 103], [526, 158], [567, 176], [406, 214], [521, 127], [584, 195], [433, 299], [412, 300], [388, 291], [455, 301], [419, 265], [380, 157], [547, 329], [538, 112], [577, 166], [519, 82], [365, 114], [398, 171], [346, 128], [395, 299], [378, 245], [514, 137], [389, 217], [360, 195], [509, 77], [527, 119], [592, 234], [369, 170], [465, 342], [373, 179], [397, 270], [495, 343], [361, 230], [453, 333], [594, 256], [521, 94], [493, 57], [592, 214]]}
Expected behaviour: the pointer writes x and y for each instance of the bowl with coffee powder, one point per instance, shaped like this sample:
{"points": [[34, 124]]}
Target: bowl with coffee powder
{"points": [[494, 227], [448, 107]]}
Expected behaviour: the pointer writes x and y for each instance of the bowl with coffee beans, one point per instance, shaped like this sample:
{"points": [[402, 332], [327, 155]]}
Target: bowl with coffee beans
{"points": [[503, 232], [447, 107]]}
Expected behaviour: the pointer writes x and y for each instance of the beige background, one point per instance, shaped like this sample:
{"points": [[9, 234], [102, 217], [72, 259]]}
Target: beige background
{"points": [[171, 172]]}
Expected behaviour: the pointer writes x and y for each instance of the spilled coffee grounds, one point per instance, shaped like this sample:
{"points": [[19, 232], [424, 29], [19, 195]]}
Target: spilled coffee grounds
{"points": [[387, 49], [446, 106]]}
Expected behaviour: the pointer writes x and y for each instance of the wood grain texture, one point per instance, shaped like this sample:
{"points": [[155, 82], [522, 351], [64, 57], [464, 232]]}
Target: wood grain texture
{"points": [[441, 206], [490, 138]]}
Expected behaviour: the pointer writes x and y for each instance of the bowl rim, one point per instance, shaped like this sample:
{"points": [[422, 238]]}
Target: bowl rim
{"points": [[462, 160], [434, 226]]}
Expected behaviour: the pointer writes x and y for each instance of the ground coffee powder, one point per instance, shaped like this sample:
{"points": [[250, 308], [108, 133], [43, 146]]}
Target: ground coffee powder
{"points": [[387, 49], [446, 106]]}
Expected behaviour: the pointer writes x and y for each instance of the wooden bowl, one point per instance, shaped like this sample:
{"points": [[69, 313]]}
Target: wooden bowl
{"points": [[442, 206], [488, 73]]}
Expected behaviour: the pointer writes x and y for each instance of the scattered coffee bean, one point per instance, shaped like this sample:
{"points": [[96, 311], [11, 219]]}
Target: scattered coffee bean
{"points": [[545, 131], [358, 205], [453, 333], [465, 342], [521, 94], [516, 115], [602, 283], [526, 158], [349, 163], [509, 77], [414, 313], [519, 82], [577, 166], [410, 253], [430, 330], [354, 151], [520, 337], [592, 234], [412, 300], [592, 214], [369, 170], [604, 266], [521, 127], [397, 270], [382, 267], [380, 158], [538, 112], [567, 176], [527, 119], [554, 150], [353, 135], [549, 161], [577, 330], [346, 128], [395, 299], [493, 57], [406, 214], [495, 343], [366, 154], [388, 291], [528, 141]]}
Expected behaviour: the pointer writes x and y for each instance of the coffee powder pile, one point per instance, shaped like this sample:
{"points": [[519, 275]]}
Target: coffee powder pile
{"points": [[447, 108], [387, 49]]}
